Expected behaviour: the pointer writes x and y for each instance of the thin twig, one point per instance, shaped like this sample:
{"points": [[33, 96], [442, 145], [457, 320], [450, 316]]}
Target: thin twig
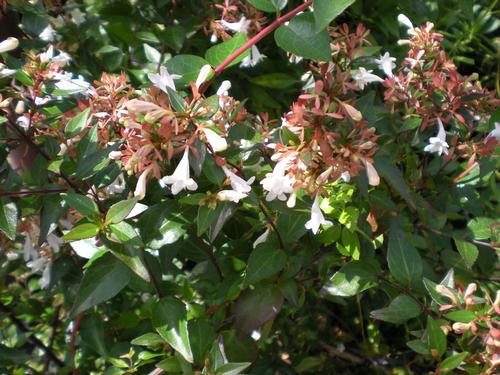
{"points": [[72, 344], [209, 252], [262, 34], [271, 222], [444, 234], [30, 192], [19, 324]]}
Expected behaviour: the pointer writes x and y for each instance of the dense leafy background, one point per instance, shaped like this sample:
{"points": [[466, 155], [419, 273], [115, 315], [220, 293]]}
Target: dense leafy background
{"points": [[345, 301]]}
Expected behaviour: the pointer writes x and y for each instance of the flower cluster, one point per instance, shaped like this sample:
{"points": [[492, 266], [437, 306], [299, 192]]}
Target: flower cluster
{"points": [[429, 87], [475, 317]]}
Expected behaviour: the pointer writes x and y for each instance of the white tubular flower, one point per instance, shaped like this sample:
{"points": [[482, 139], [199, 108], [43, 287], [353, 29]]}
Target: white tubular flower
{"points": [[371, 172], [278, 183], [77, 16], [317, 218], [5, 72], [62, 59], [217, 142], [8, 44], [66, 82], [238, 27], [345, 176], [48, 34], [28, 249], [253, 58], [44, 281], [386, 63], [54, 242], [164, 79], [223, 90], [437, 144], [237, 183], [262, 238], [363, 77], [495, 133], [402, 19], [39, 101], [140, 189], [180, 178], [46, 56], [205, 72], [230, 195], [141, 106]]}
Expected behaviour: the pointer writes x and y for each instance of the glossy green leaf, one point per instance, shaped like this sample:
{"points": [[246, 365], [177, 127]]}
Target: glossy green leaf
{"points": [[81, 203], [393, 175], [270, 6], [403, 258], [187, 66], [218, 53], [120, 210], [201, 337], [82, 231], [300, 38], [401, 309], [149, 339], [264, 262], [353, 278], [102, 280], [462, 316], [325, 11], [170, 321], [232, 368], [8, 218], [468, 251], [481, 227], [436, 339], [77, 124], [453, 361]]}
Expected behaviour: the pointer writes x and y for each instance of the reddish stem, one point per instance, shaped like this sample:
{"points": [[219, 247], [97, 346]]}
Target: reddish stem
{"points": [[30, 192], [263, 33]]}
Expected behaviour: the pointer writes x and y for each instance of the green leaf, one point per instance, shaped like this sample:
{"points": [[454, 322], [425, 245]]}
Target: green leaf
{"points": [[462, 316], [88, 144], [403, 259], [187, 66], [201, 337], [92, 334], [258, 306], [95, 162], [111, 57], [293, 224], [270, 6], [8, 218], [81, 231], [170, 364], [274, 81], [102, 280], [468, 251], [152, 54], [393, 175], [120, 210], [353, 278], [453, 361], [53, 208], [325, 11], [206, 216], [436, 339], [177, 101], [81, 203], [401, 309], [481, 227], [149, 339], [300, 38], [232, 368], [76, 125], [264, 262], [418, 346], [170, 321], [218, 53]]}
